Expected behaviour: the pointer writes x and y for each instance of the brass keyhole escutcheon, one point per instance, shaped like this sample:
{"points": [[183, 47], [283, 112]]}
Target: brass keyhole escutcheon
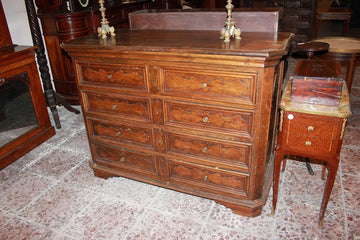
{"points": [[308, 143], [122, 159], [205, 178], [114, 107], [204, 150], [205, 119], [110, 76], [310, 128], [118, 133]]}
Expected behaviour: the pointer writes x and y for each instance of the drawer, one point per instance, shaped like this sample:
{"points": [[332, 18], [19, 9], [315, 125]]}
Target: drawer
{"points": [[117, 105], [124, 160], [111, 131], [209, 179], [309, 144], [275, 3], [217, 119], [219, 86], [311, 125], [296, 17], [118, 76], [292, 4], [222, 154], [300, 4]]}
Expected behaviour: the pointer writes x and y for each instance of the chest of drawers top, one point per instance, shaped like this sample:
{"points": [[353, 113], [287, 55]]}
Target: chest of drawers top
{"points": [[199, 42]]}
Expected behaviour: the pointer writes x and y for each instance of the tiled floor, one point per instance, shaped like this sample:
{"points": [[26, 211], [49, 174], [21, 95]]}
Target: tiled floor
{"points": [[51, 193]]}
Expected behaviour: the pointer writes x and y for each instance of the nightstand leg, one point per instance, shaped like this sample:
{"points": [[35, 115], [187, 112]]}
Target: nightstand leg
{"points": [[278, 157], [332, 170]]}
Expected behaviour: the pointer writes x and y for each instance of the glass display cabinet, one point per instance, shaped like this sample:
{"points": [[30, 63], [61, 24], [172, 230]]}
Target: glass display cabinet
{"points": [[24, 119]]}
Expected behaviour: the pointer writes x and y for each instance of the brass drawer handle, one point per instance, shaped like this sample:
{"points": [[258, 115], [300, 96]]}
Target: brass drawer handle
{"points": [[310, 128], [308, 143], [114, 107], [109, 76], [205, 119], [122, 159], [290, 117], [118, 134], [204, 149], [205, 178], [204, 85]]}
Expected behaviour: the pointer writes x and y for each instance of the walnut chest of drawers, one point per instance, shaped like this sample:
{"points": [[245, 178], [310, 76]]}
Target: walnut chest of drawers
{"points": [[184, 110]]}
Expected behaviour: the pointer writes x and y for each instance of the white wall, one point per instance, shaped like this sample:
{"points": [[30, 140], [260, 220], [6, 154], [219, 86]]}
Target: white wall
{"points": [[17, 20]]}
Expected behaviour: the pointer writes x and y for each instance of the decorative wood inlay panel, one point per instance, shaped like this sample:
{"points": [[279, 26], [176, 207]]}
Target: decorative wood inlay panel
{"points": [[125, 77], [122, 133], [236, 183], [123, 158], [112, 105], [211, 118], [224, 152], [239, 86]]}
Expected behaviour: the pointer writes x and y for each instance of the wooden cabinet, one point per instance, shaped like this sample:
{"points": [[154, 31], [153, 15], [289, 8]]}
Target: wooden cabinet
{"points": [[24, 120], [298, 16], [184, 110], [60, 24]]}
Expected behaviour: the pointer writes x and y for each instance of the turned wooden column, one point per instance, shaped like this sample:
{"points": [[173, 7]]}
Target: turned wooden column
{"points": [[41, 60]]}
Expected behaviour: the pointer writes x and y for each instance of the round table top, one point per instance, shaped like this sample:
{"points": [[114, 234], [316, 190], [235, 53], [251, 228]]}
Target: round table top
{"points": [[311, 47], [341, 44]]}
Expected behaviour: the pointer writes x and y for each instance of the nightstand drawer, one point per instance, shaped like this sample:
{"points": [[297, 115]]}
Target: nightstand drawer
{"points": [[311, 125], [309, 144]]}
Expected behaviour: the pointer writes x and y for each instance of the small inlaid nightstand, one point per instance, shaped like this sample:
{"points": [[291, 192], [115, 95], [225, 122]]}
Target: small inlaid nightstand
{"points": [[312, 125]]}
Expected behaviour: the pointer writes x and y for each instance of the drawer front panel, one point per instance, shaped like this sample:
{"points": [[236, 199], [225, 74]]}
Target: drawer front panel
{"points": [[234, 156], [312, 125], [219, 86], [121, 133], [122, 76], [314, 145], [122, 159], [119, 105], [211, 118], [208, 179], [296, 17]]}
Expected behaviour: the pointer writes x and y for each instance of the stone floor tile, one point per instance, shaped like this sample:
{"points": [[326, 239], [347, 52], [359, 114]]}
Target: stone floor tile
{"points": [[58, 206]]}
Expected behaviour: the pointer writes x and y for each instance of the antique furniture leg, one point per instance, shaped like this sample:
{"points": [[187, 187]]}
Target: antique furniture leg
{"points": [[350, 72], [332, 167], [278, 157]]}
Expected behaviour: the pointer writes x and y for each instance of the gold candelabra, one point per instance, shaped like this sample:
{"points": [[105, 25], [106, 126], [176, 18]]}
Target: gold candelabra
{"points": [[104, 29], [229, 30]]}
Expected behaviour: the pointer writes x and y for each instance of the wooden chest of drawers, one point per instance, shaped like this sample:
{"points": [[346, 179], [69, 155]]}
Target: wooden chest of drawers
{"points": [[183, 110]]}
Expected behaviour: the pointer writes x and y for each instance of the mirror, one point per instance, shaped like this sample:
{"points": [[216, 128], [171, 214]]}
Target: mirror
{"points": [[17, 114]]}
